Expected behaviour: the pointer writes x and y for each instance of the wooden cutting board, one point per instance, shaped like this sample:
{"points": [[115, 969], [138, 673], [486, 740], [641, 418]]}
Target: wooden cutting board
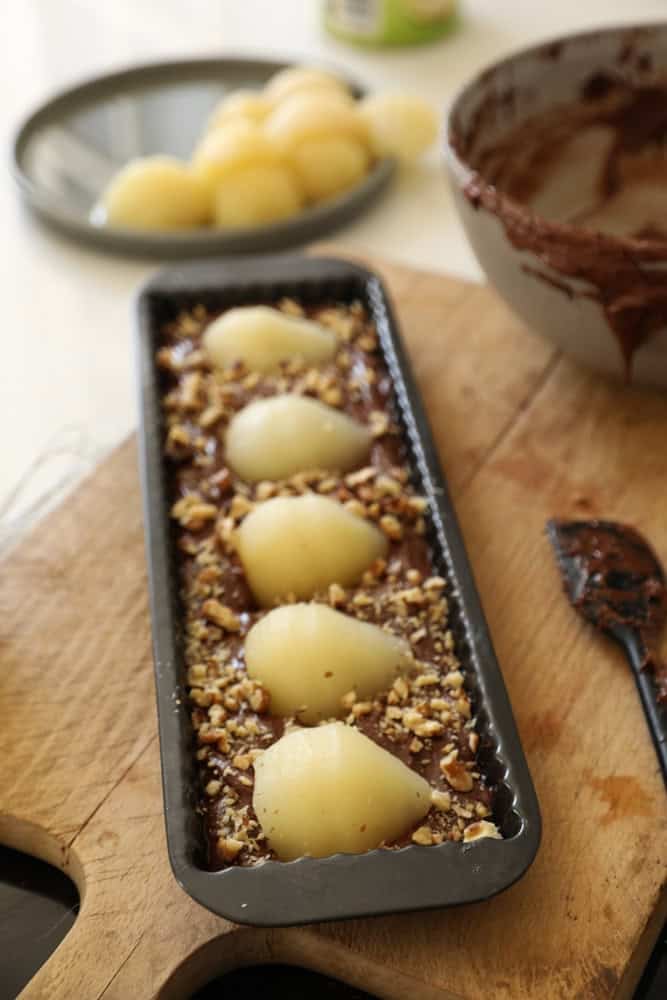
{"points": [[523, 435]]}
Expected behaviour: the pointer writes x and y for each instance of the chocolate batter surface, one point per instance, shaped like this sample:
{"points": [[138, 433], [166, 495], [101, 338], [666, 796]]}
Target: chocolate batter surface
{"points": [[426, 719]]}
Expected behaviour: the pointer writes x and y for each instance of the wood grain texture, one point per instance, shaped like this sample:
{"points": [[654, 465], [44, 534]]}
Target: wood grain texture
{"points": [[523, 435]]}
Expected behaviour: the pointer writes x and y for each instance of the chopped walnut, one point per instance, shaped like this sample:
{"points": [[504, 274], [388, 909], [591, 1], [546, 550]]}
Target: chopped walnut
{"points": [[362, 600], [428, 728], [423, 835], [441, 800], [412, 719], [191, 391], [362, 708], [242, 761], [192, 513], [361, 476], [196, 673], [216, 714], [401, 688], [412, 595], [210, 574], [203, 699], [463, 707], [226, 531], [427, 680], [221, 615], [456, 773], [210, 416], [391, 527], [368, 341], [417, 504], [327, 485], [482, 828], [387, 486], [229, 847], [177, 437], [259, 700], [240, 506]]}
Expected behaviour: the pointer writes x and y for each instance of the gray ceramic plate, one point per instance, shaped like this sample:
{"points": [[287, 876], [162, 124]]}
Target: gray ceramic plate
{"points": [[66, 151]]}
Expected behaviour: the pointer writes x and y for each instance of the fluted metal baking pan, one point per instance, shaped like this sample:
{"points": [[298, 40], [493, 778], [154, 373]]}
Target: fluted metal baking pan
{"points": [[345, 885]]}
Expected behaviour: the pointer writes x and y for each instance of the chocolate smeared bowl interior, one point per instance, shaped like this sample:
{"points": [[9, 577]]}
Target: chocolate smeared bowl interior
{"points": [[557, 159]]}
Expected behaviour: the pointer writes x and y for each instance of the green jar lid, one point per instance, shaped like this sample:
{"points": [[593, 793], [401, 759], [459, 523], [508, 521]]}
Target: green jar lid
{"points": [[389, 22]]}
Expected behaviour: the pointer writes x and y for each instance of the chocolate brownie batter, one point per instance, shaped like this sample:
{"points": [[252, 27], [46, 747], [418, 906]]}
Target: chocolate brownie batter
{"points": [[425, 718]]}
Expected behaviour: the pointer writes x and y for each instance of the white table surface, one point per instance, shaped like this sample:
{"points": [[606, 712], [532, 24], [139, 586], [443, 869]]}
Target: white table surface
{"points": [[67, 390]]}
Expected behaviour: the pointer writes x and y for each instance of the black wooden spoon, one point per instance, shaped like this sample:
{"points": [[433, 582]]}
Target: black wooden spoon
{"points": [[615, 581]]}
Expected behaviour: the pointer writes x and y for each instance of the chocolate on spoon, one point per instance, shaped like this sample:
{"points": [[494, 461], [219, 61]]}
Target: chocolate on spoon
{"points": [[615, 581]]}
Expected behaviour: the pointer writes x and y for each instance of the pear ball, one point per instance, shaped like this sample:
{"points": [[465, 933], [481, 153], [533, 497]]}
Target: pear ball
{"points": [[399, 125], [301, 545], [256, 195], [328, 165], [277, 437], [247, 105], [262, 337], [330, 789], [307, 116], [302, 79], [308, 656], [235, 145], [156, 192]]}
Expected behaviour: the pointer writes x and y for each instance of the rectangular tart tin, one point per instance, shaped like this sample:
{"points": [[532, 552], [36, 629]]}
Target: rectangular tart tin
{"points": [[275, 893]]}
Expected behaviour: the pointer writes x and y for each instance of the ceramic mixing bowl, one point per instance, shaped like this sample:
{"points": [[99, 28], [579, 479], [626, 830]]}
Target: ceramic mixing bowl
{"points": [[557, 161]]}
